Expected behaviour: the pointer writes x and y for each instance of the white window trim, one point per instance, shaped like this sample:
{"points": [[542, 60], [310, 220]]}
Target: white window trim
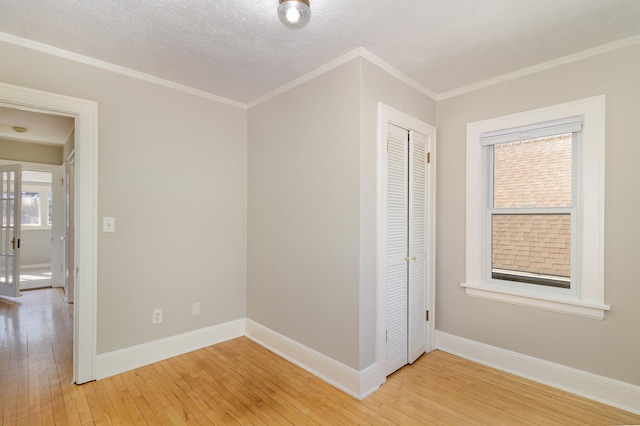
{"points": [[588, 300]]}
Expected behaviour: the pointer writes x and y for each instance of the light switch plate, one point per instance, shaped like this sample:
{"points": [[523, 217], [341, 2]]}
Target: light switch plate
{"points": [[108, 224]]}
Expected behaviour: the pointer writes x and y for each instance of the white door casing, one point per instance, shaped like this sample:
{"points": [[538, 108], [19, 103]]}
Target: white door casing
{"points": [[10, 221]]}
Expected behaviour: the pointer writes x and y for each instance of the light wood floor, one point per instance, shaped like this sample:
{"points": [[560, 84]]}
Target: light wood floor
{"points": [[239, 382]]}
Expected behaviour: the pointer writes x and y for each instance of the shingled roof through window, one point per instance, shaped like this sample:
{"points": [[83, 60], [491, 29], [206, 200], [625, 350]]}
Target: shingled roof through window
{"points": [[533, 173]]}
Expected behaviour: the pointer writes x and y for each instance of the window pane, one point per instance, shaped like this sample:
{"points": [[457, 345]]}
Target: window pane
{"points": [[30, 208], [7, 210], [533, 173], [531, 248]]}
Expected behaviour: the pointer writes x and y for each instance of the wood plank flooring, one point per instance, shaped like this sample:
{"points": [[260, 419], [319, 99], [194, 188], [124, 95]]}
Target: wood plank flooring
{"points": [[240, 382]]}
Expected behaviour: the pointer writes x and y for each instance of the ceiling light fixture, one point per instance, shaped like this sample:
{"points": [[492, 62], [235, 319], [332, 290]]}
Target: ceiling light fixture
{"points": [[294, 14]]}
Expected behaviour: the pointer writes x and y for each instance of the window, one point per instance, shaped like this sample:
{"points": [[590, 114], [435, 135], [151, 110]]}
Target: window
{"points": [[30, 209], [37, 200], [535, 208], [36, 206], [530, 209]]}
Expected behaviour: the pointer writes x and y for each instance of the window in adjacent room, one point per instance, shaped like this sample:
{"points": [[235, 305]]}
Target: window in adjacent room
{"points": [[37, 200]]}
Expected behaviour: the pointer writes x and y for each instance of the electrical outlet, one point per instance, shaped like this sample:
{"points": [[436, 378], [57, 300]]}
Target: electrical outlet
{"points": [[157, 316], [195, 309]]}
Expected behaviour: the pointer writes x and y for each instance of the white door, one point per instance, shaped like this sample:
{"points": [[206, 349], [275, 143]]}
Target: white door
{"points": [[397, 243], [406, 246], [69, 194], [10, 182], [417, 247]]}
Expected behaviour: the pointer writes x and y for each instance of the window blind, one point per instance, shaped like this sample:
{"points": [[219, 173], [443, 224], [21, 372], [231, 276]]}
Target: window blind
{"points": [[532, 131]]}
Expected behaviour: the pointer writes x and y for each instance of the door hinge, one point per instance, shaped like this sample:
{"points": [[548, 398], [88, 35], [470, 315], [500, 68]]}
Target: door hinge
{"points": [[428, 158], [426, 316]]}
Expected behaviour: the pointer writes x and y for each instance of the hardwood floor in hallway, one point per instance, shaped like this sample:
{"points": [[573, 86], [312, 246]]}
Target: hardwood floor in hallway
{"points": [[240, 382]]}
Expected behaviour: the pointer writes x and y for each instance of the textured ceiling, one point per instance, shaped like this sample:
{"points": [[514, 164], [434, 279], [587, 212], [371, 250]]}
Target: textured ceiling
{"points": [[239, 50]]}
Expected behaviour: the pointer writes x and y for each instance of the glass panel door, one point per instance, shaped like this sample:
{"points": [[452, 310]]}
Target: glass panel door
{"points": [[10, 230]]}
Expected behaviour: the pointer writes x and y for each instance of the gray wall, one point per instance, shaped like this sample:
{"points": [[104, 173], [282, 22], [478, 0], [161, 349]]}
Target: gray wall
{"points": [[30, 152], [312, 208], [172, 171], [611, 347], [304, 148]]}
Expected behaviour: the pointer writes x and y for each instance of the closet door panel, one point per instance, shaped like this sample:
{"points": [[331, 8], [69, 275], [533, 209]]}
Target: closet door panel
{"points": [[397, 246], [397, 326], [417, 245]]}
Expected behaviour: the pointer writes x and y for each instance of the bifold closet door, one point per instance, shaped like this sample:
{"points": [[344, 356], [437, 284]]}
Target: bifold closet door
{"points": [[417, 279], [397, 241], [406, 247]]}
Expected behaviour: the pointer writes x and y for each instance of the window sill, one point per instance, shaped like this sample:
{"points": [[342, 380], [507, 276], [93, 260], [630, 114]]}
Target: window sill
{"points": [[561, 305]]}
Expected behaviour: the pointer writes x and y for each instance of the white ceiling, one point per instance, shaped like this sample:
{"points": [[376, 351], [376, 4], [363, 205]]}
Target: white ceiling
{"points": [[239, 50], [41, 128]]}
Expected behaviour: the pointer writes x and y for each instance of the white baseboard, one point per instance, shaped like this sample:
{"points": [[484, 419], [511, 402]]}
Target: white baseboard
{"points": [[358, 384], [36, 266], [598, 388], [119, 361]]}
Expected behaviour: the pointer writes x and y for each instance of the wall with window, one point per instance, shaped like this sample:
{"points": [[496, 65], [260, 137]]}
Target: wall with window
{"points": [[609, 347]]}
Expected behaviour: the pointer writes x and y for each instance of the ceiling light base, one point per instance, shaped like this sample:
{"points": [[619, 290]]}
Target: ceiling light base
{"points": [[294, 14]]}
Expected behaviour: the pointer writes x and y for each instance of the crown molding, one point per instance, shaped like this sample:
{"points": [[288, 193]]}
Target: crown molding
{"points": [[356, 53], [595, 51], [364, 53], [360, 52], [45, 48], [307, 77]]}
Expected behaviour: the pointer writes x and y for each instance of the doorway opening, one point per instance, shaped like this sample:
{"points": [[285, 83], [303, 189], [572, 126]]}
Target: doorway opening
{"points": [[38, 220], [84, 272], [37, 212]]}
